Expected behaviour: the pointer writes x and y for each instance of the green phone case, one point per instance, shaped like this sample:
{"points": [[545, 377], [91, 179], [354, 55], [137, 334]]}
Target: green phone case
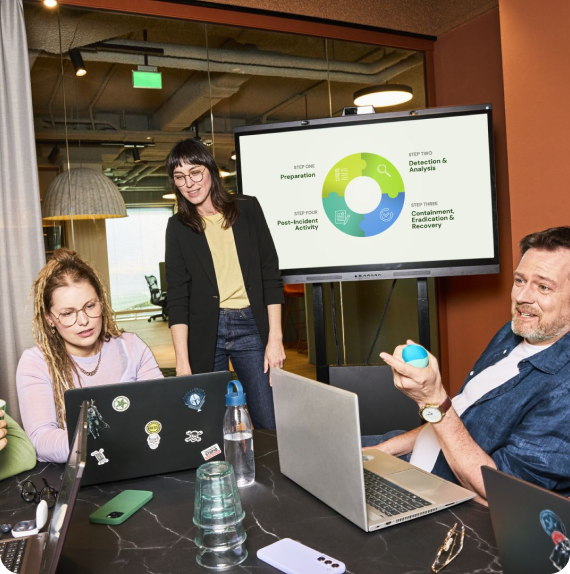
{"points": [[123, 505]]}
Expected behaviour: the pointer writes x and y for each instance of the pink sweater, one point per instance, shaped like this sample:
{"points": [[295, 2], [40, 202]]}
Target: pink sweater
{"points": [[125, 358]]}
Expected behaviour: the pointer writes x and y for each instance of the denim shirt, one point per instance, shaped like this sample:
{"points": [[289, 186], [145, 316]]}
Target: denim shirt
{"points": [[524, 424]]}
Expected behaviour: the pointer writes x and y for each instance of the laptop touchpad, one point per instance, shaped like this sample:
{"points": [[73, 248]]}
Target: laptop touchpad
{"points": [[415, 480]]}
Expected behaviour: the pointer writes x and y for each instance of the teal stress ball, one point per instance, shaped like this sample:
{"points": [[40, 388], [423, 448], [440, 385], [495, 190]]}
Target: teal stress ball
{"points": [[415, 355]]}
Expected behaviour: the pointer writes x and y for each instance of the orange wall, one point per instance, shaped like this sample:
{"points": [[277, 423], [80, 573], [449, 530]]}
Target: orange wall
{"points": [[536, 52], [468, 71]]}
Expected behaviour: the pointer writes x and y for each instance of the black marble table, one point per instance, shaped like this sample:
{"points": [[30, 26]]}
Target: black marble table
{"points": [[158, 539]]}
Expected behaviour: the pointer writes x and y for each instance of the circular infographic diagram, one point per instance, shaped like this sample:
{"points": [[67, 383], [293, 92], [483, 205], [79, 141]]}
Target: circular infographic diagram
{"points": [[363, 194]]}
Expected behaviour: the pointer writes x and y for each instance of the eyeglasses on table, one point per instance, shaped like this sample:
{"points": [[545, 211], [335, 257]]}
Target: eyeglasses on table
{"points": [[451, 547], [30, 493]]}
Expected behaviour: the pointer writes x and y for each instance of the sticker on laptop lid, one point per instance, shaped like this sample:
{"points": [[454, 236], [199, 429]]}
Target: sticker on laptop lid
{"points": [[100, 456], [152, 428], [194, 399], [555, 528], [95, 420], [121, 404], [211, 452], [153, 440], [194, 436]]}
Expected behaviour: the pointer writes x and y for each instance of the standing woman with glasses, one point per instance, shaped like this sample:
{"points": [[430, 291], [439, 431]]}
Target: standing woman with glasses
{"points": [[224, 286], [78, 345]]}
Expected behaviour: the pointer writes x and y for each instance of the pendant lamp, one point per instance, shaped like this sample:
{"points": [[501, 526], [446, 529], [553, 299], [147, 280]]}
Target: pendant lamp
{"points": [[93, 196]]}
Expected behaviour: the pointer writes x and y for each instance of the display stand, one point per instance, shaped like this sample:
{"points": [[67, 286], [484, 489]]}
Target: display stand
{"points": [[320, 334], [322, 366]]}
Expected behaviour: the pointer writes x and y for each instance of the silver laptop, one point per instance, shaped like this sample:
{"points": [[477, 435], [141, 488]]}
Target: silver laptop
{"points": [[318, 435], [40, 553]]}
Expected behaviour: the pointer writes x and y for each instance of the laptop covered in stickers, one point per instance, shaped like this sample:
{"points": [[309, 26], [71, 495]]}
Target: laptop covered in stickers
{"points": [[531, 524], [151, 427]]}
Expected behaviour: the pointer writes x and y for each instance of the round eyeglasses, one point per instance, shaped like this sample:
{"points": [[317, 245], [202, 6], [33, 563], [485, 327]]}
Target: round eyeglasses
{"points": [[195, 175], [48, 493], [68, 317]]}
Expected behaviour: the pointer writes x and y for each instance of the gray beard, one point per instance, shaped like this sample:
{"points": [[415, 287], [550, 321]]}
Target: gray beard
{"points": [[539, 334]]}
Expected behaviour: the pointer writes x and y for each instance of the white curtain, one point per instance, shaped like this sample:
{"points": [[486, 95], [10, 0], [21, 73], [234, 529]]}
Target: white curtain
{"points": [[21, 237]]}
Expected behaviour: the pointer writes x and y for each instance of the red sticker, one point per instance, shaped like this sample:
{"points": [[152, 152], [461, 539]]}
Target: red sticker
{"points": [[558, 537]]}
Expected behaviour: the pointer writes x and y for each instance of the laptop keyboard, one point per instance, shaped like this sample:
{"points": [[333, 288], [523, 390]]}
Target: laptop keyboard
{"points": [[389, 498], [12, 553]]}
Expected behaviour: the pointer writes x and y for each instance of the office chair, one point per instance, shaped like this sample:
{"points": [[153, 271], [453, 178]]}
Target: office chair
{"points": [[157, 297]]}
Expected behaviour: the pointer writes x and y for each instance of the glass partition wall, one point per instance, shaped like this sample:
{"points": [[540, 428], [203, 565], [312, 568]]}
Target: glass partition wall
{"points": [[214, 77]]}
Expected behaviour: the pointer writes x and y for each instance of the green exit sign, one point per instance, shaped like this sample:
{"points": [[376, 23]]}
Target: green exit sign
{"points": [[148, 78]]}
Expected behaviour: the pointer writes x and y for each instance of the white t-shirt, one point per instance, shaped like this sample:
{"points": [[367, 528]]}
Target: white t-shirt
{"points": [[427, 448]]}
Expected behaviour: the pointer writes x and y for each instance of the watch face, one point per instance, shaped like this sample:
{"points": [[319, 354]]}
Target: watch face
{"points": [[431, 414]]}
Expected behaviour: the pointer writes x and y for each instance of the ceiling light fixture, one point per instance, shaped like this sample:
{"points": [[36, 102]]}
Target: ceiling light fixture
{"points": [[136, 155], [233, 156], [382, 96], [77, 61], [92, 195], [169, 196], [224, 173], [50, 3]]}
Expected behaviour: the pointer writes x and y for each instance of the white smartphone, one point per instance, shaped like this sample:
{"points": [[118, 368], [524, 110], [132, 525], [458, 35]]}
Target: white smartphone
{"points": [[292, 557]]}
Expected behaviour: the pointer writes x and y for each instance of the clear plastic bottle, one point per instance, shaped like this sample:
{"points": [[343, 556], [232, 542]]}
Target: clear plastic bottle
{"points": [[238, 436]]}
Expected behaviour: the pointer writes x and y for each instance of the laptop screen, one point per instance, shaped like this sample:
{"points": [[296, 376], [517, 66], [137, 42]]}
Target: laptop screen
{"points": [[63, 508]]}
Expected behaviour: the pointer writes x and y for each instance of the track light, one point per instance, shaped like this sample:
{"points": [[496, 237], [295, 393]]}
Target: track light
{"points": [[50, 3], [53, 154], [233, 156], [136, 155], [382, 96], [77, 61]]}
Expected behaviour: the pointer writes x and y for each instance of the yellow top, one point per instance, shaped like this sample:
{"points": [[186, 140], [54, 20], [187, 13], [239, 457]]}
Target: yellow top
{"points": [[226, 263]]}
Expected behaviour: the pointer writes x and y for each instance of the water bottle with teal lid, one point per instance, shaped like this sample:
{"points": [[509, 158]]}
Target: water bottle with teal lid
{"points": [[238, 435]]}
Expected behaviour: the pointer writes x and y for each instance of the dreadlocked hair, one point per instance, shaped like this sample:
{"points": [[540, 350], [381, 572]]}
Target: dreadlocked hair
{"points": [[65, 268]]}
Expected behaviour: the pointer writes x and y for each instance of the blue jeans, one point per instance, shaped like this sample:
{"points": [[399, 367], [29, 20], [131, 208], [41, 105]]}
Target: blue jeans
{"points": [[374, 439], [239, 340]]}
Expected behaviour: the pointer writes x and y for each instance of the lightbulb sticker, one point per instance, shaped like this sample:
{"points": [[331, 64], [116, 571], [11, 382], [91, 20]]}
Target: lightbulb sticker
{"points": [[363, 194]]}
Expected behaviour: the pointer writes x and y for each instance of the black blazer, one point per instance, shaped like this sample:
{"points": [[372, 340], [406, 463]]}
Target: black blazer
{"points": [[193, 296]]}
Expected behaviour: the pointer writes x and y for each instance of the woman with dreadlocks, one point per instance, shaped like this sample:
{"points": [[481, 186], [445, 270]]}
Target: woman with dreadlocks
{"points": [[78, 345]]}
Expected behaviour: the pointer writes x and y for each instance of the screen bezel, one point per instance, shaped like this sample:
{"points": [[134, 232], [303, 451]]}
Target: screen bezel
{"points": [[435, 268]]}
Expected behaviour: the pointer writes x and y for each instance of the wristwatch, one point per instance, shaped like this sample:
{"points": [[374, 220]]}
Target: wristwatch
{"points": [[434, 413]]}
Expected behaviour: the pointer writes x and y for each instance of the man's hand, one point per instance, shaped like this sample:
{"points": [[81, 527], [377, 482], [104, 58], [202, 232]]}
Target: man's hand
{"points": [[424, 386]]}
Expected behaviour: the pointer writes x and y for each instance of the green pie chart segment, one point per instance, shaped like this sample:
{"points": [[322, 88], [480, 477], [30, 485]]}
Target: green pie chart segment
{"points": [[384, 173]]}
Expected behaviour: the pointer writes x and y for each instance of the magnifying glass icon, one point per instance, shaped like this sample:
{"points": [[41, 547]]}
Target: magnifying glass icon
{"points": [[382, 170]]}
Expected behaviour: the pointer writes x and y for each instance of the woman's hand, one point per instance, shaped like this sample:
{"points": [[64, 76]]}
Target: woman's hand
{"points": [[274, 355], [183, 370], [3, 432]]}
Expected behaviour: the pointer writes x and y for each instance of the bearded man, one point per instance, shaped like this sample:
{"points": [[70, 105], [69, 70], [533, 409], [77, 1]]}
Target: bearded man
{"points": [[513, 410]]}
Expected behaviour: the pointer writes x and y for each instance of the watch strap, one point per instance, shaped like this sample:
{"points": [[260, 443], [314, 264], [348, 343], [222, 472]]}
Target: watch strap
{"points": [[445, 406]]}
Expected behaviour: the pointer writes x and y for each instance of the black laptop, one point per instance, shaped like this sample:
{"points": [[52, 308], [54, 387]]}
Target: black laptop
{"points": [[531, 525], [40, 553], [150, 427]]}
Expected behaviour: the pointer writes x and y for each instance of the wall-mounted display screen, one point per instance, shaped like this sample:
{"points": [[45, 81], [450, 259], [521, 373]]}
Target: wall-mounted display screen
{"points": [[406, 194]]}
